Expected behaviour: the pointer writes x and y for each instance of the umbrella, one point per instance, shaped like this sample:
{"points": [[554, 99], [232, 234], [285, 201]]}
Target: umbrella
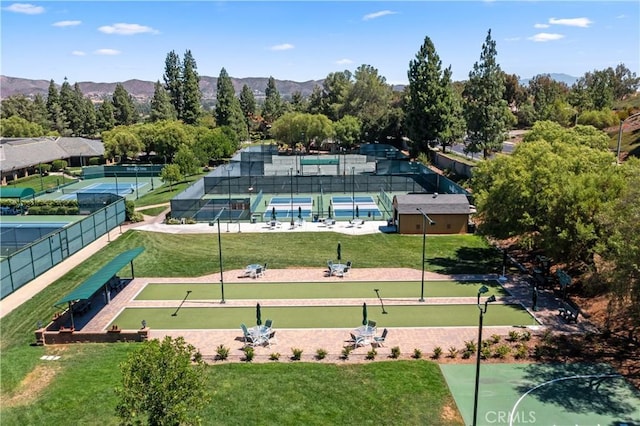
{"points": [[357, 211], [364, 313], [329, 211], [339, 251], [273, 213], [258, 315], [299, 212]]}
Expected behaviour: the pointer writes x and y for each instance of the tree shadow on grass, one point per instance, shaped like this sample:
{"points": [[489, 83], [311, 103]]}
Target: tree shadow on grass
{"points": [[579, 388], [469, 260]]}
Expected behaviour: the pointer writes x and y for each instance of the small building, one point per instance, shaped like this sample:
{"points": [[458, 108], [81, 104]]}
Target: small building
{"points": [[449, 212]]}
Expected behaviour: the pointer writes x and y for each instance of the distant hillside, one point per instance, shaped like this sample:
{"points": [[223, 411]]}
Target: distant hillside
{"points": [[143, 90]]}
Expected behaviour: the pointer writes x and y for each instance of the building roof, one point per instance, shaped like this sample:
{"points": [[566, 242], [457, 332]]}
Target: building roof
{"points": [[432, 203], [20, 153]]}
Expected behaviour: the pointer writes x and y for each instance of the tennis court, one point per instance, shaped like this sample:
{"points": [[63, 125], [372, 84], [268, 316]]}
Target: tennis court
{"points": [[356, 206], [544, 394], [122, 189], [126, 187], [289, 207]]}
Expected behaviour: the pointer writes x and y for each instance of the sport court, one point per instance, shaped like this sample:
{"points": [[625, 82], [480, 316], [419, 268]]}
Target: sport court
{"points": [[544, 394]]}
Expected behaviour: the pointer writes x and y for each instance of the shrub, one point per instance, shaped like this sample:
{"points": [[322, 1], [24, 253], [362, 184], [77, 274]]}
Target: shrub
{"points": [[58, 165], [222, 352], [395, 352], [372, 354], [297, 354], [495, 338], [346, 351], [514, 336], [274, 356], [502, 351], [525, 336], [453, 352], [417, 353], [521, 352], [485, 352], [249, 353], [197, 357], [437, 352], [470, 346], [94, 161], [44, 168], [321, 354]]}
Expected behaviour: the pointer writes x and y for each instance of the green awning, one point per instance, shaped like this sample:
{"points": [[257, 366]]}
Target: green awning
{"points": [[88, 288], [309, 161], [14, 192]]}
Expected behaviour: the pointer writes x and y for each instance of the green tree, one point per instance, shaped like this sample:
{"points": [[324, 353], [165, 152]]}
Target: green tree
{"points": [[89, 125], [121, 142], [173, 81], [71, 103], [429, 107], [18, 127], [191, 96], [123, 106], [347, 131], [54, 109], [485, 109], [293, 126], [187, 161], [163, 383], [161, 107], [336, 88], [272, 108], [105, 118], [228, 109], [546, 94], [171, 173], [247, 105]]}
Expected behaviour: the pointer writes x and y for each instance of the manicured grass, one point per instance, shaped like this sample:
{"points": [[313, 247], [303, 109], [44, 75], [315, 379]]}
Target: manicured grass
{"points": [[320, 316], [153, 211], [283, 393], [317, 290], [165, 193], [184, 255]]}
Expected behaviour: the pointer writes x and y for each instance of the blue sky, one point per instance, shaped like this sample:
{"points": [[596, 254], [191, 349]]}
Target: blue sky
{"points": [[115, 41]]}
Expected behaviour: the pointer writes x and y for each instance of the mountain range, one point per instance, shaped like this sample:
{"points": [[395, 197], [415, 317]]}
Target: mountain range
{"points": [[142, 90]]}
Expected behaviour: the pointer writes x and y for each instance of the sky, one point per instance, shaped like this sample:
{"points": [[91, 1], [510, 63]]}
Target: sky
{"points": [[115, 41]]}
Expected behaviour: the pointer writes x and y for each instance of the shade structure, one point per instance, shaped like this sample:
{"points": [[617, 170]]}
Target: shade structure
{"points": [[339, 250], [364, 313], [258, 315]]}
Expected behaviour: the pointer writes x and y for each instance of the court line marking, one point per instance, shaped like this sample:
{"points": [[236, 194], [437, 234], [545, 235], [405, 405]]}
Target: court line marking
{"points": [[560, 379]]}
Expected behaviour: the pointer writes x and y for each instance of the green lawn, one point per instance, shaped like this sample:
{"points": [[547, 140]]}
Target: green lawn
{"points": [[209, 317], [318, 290]]}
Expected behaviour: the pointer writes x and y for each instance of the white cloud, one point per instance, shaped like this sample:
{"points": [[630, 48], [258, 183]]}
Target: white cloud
{"points": [[78, 53], [26, 8], [285, 46], [376, 15], [108, 52], [126, 29], [344, 61], [542, 37], [541, 26], [572, 22], [66, 23], [512, 39]]}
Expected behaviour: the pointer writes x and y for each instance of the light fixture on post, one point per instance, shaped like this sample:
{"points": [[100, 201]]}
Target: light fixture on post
{"points": [[229, 168], [137, 195], [483, 310], [291, 186], [40, 173], [425, 218], [216, 220], [620, 135]]}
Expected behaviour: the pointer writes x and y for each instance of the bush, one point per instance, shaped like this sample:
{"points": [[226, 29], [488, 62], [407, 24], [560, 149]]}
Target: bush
{"points": [[372, 354], [453, 352], [525, 336], [521, 352], [514, 336], [44, 169], [437, 352], [417, 353], [296, 354], [249, 353], [274, 356], [495, 338], [94, 161], [222, 352], [346, 351], [321, 354], [395, 352], [485, 352], [58, 165], [502, 351]]}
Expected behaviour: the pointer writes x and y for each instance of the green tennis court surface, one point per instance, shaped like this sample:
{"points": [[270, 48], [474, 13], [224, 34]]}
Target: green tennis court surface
{"points": [[217, 317], [544, 394], [318, 290]]}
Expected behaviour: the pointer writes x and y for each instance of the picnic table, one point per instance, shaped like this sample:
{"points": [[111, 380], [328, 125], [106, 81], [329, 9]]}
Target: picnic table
{"points": [[254, 270]]}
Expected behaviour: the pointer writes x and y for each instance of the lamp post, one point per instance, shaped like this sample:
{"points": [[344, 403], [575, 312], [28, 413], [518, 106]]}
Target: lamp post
{"points": [[106, 224], [117, 192], [40, 173], [483, 310], [425, 218], [620, 135], [217, 220], [229, 191], [137, 196], [291, 186], [353, 193]]}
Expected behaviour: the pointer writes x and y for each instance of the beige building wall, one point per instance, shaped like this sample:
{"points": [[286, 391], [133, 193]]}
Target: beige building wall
{"points": [[445, 224]]}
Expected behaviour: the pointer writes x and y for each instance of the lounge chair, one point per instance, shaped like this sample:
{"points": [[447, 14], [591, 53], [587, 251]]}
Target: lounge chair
{"points": [[379, 340], [271, 338], [348, 266], [357, 340], [268, 323], [371, 324], [264, 269]]}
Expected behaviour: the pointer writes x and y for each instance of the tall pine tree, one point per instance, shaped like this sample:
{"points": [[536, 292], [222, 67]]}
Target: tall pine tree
{"points": [[485, 109], [173, 81], [161, 107], [124, 108], [54, 110], [228, 110], [191, 96], [272, 108]]}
